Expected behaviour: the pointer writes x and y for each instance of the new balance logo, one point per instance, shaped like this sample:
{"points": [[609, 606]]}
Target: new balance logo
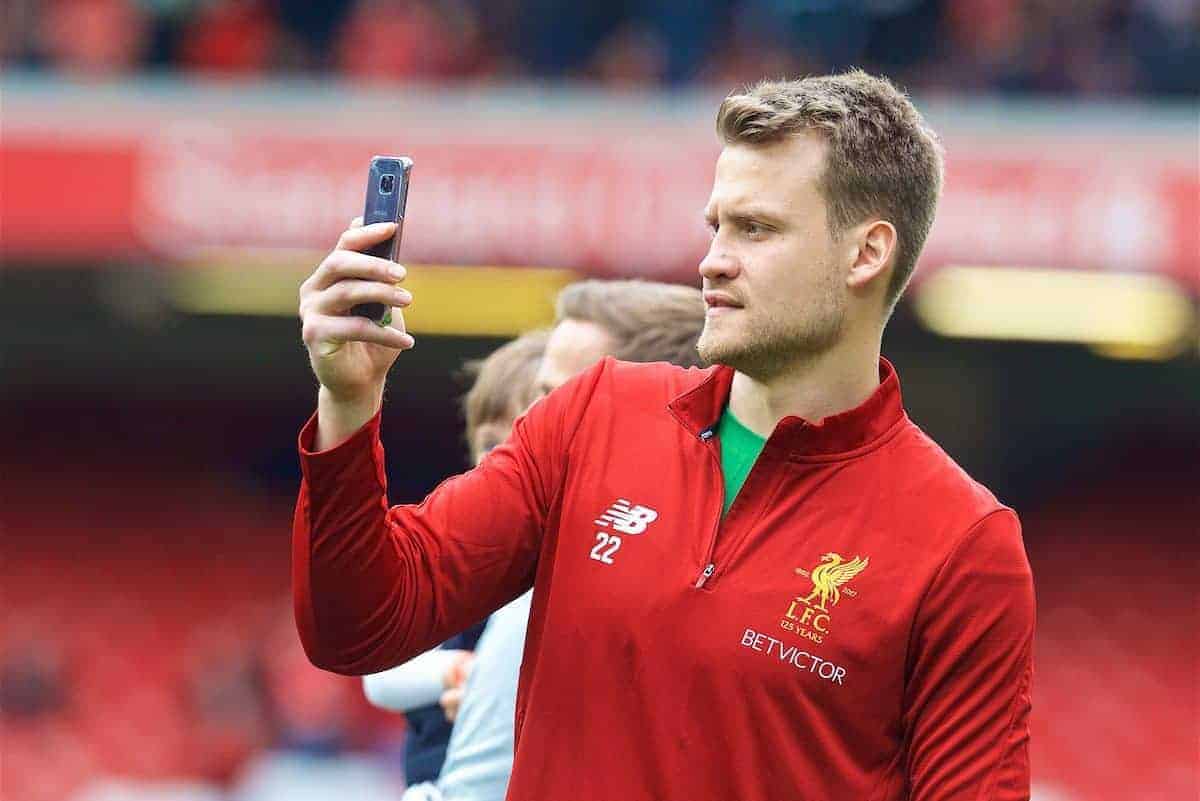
{"points": [[626, 518]]}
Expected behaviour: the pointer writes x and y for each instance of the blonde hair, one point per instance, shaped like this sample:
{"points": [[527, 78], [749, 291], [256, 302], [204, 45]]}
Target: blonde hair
{"points": [[502, 383], [883, 159], [648, 320]]}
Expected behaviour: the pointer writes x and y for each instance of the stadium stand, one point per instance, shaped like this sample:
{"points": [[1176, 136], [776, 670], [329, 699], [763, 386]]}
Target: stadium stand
{"points": [[1102, 47], [1117, 562], [165, 648]]}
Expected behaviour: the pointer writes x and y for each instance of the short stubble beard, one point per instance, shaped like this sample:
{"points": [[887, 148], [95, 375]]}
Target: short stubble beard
{"points": [[765, 349]]}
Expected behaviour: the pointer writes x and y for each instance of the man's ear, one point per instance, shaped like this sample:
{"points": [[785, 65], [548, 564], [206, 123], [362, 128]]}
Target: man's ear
{"points": [[876, 246]]}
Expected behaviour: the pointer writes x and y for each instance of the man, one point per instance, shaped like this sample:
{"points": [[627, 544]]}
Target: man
{"points": [[857, 625], [634, 321], [638, 321]]}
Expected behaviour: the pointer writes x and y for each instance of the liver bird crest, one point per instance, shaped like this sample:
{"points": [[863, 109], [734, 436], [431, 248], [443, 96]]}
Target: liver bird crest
{"points": [[831, 574]]}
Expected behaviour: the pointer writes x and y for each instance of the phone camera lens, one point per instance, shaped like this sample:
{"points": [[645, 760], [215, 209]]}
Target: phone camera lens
{"points": [[387, 184]]}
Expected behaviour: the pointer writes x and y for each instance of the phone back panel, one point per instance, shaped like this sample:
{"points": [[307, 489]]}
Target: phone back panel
{"points": [[387, 194], [387, 173]]}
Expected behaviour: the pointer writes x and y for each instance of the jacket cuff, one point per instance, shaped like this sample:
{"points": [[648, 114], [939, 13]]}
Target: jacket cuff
{"points": [[358, 453]]}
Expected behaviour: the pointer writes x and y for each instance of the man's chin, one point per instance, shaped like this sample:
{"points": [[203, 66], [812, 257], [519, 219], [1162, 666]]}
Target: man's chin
{"points": [[757, 361], [717, 350]]}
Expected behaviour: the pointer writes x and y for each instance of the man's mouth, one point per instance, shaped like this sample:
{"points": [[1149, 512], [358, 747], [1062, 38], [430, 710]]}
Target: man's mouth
{"points": [[720, 300]]}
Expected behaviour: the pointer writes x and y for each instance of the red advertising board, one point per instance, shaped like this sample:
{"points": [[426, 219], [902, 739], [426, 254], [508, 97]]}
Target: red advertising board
{"points": [[600, 193]]}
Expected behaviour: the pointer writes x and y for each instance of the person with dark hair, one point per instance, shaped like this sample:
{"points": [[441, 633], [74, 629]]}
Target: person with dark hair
{"points": [[641, 321]]}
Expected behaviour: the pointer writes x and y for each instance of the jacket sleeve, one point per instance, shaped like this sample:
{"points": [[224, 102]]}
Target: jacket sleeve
{"points": [[967, 701], [373, 586]]}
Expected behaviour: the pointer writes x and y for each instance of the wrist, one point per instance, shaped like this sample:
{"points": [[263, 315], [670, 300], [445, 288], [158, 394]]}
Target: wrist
{"points": [[340, 416], [359, 398], [456, 674]]}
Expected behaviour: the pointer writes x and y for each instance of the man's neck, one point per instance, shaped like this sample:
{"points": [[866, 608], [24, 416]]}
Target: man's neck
{"points": [[816, 387]]}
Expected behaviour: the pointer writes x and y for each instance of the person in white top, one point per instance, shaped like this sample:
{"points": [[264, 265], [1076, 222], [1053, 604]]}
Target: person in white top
{"points": [[638, 321], [428, 688]]}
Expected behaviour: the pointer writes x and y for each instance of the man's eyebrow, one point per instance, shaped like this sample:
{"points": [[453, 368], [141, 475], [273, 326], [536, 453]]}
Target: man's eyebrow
{"points": [[759, 213], [747, 212]]}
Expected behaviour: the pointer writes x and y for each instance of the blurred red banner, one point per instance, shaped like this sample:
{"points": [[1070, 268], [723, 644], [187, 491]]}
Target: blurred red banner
{"points": [[602, 196]]}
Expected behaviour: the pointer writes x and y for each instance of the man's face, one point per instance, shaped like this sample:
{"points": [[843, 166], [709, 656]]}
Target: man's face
{"points": [[574, 346], [772, 279]]}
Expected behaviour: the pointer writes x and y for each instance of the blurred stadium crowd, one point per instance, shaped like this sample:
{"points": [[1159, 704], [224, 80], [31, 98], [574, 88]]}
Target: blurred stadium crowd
{"points": [[164, 665], [1073, 47]]}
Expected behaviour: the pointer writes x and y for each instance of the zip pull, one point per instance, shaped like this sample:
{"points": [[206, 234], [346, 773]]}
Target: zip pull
{"points": [[706, 435], [708, 571]]}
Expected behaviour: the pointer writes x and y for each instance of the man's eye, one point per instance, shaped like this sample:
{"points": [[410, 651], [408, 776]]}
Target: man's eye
{"points": [[753, 229]]}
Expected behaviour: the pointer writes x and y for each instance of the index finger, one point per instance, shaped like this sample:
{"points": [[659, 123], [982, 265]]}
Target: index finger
{"points": [[364, 236]]}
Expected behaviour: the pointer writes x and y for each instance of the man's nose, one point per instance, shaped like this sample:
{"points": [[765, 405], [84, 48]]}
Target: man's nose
{"points": [[718, 264]]}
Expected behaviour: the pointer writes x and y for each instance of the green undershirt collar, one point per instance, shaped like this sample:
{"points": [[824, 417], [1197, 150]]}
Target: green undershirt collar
{"points": [[740, 448]]}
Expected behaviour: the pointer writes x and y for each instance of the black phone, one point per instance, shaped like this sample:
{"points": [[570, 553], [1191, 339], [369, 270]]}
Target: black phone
{"points": [[387, 194]]}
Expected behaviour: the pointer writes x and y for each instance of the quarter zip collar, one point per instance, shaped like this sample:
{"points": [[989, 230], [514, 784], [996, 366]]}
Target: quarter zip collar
{"points": [[838, 435]]}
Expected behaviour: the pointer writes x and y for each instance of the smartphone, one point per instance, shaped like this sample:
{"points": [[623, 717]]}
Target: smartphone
{"points": [[387, 193]]}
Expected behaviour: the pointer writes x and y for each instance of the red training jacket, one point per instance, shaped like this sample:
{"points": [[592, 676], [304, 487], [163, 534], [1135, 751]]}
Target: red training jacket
{"points": [[858, 628]]}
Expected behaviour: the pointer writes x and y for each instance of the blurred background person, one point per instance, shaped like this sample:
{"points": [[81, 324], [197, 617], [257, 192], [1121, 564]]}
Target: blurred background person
{"points": [[637, 321], [632, 320], [428, 689]]}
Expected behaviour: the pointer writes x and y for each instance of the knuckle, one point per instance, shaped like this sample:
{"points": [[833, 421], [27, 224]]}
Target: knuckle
{"points": [[308, 305], [343, 291], [335, 261], [331, 293]]}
